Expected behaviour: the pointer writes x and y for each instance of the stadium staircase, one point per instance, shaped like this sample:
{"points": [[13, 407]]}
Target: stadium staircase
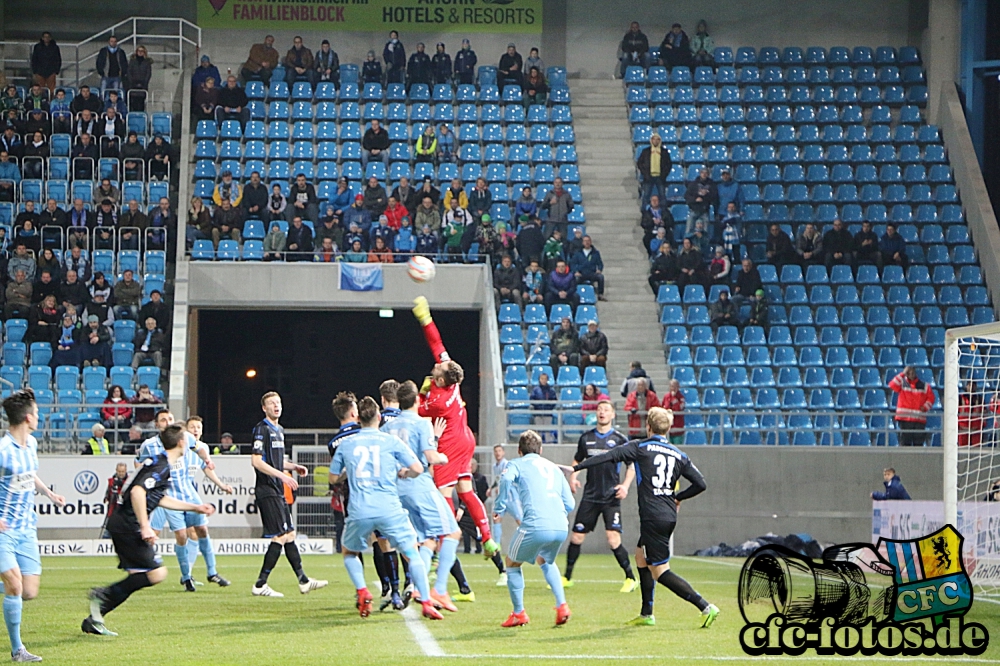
{"points": [[609, 186]]}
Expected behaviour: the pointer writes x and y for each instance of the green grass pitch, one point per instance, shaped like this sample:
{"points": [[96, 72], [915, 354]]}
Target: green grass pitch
{"points": [[166, 625]]}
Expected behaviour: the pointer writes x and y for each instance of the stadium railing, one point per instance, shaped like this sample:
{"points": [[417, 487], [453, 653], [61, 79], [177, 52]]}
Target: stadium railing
{"points": [[165, 39], [64, 427]]}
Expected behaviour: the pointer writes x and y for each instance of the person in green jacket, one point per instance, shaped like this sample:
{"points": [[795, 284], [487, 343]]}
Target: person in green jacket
{"points": [[97, 445], [426, 145]]}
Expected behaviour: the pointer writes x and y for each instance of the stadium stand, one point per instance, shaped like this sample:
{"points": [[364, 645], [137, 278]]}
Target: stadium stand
{"points": [[809, 141], [55, 204]]}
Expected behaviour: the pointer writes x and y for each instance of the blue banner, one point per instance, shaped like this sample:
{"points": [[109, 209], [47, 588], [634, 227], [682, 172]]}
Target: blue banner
{"points": [[361, 277]]}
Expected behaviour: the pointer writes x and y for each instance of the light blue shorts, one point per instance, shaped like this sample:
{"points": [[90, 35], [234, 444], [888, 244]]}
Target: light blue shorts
{"points": [[177, 520], [19, 548], [395, 527], [429, 514], [527, 545]]}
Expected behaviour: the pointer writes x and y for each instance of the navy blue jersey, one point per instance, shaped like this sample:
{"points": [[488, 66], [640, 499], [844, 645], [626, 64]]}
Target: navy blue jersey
{"points": [[659, 465], [153, 477], [269, 444], [601, 480]]}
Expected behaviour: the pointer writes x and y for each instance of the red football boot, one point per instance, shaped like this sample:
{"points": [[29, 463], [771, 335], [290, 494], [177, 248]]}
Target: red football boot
{"points": [[562, 614], [516, 619], [430, 612], [364, 602]]}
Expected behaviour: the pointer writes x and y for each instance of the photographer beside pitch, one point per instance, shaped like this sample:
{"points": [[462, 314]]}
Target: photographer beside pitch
{"points": [[659, 466]]}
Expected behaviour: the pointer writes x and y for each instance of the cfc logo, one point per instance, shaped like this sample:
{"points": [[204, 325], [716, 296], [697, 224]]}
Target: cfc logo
{"points": [[86, 482]]}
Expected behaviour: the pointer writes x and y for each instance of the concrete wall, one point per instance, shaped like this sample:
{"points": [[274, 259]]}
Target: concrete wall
{"points": [[753, 490], [71, 21], [595, 27]]}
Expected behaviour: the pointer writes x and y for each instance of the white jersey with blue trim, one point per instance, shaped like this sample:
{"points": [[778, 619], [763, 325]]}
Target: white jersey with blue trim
{"points": [[18, 467], [182, 484]]}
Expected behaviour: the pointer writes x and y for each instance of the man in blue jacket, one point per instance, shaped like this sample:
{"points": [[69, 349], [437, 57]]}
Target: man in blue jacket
{"points": [[894, 489], [561, 286], [588, 267], [465, 63], [892, 248], [394, 56]]}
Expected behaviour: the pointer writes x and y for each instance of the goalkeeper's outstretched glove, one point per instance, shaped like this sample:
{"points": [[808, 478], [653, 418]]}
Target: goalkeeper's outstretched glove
{"points": [[422, 311]]}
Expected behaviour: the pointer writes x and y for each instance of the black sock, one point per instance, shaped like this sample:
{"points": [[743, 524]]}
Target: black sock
{"points": [[648, 587], [123, 589], [292, 553], [622, 556], [392, 568], [379, 560], [459, 576], [406, 573], [497, 562], [572, 554], [682, 589], [270, 559]]}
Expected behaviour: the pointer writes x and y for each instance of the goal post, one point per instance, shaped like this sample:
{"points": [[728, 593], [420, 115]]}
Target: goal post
{"points": [[971, 446]]}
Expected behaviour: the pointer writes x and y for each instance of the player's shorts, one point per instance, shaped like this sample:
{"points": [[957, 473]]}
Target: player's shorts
{"points": [[19, 548], [275, 516], [429, 514], [177, 520], [527, 545], [458, 465], [588, 511], [654, 539], [134, 554], [394, 526]]}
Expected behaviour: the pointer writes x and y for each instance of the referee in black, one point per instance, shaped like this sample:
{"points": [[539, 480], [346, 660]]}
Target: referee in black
{"points": [[132, 535], [271, 469], [660, 467], [602, 495]]}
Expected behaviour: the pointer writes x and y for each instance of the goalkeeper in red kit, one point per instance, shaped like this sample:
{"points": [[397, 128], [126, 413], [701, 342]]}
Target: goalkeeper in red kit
{"points": [[443, 399]]}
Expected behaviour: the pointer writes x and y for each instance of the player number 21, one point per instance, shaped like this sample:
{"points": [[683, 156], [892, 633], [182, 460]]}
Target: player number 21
{"points": [[368, 453], [664, 470]]}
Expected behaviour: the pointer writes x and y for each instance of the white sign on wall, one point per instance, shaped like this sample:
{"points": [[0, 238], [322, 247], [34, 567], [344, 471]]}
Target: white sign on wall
{"points": [[165, 547], [83, 480]]}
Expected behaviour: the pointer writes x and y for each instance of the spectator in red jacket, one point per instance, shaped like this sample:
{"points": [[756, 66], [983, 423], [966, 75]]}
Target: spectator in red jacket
{"points": [[971, 416], [638, 403], [674, 401], [117, 414], [915, 399]]}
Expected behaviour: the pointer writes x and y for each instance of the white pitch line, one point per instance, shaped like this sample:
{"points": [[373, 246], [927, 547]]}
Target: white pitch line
{"points": [[708, 560], [421, 634], [599, 657]]}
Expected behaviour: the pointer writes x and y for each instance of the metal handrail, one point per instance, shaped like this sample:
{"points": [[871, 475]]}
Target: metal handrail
{"points": [[89, 47], [564, 421]]}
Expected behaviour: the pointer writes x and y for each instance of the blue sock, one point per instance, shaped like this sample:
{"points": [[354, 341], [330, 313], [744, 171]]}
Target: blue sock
{"points": [[192, 548], [182, 560], [418, 572], [205, 546], [446, 558], [515, 585], [498, 532], [552, 577], [12, 617], [426, 554], [355, 571]]}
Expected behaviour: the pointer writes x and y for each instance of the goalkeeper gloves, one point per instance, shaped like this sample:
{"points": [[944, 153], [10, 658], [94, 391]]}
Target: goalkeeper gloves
{"points": [[422, 311]]}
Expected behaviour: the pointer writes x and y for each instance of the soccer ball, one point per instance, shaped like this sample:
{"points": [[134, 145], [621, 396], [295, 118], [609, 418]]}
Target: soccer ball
{"points": [[420, 269]]}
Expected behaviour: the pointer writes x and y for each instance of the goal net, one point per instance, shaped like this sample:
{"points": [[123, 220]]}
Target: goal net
{"points": [[971, 442]]}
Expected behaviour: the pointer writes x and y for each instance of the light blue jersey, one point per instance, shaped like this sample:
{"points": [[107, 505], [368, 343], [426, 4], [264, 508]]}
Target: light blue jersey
{"points": [[542, 489], [417, 433], [18, 466], [371, 460], [182, 482]]}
